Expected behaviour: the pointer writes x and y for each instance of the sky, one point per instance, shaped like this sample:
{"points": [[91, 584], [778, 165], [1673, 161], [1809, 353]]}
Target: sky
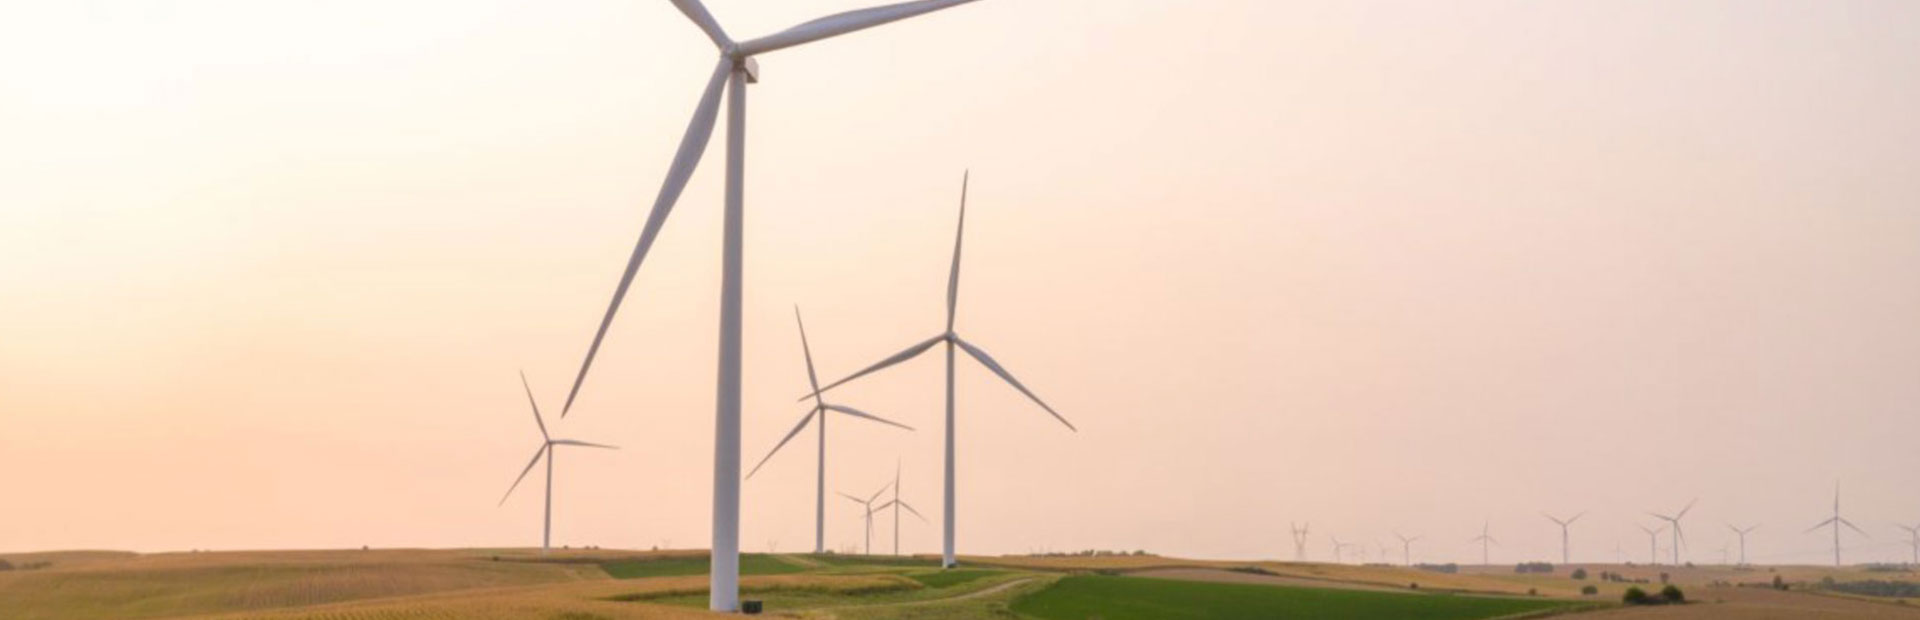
{"points": [[268, 271]]}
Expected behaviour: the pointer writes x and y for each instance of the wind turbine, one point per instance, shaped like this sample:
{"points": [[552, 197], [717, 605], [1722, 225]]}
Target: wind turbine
{"points": [[1337, 546], [1836, 521], [1406, 548], [1564, 524], [1299, 541], [867, 512], [547, 442], [1484, 539], [1679, 536], [1742, 533], [734, 70], [1913, 538], [952, 339], [896, 504], [1653, 544], [820, 408]]}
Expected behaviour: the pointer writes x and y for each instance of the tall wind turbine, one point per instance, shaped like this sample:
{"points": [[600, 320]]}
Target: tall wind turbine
{"points": [[1742, 533], [1406, 548], [1564, 525], [1484, 539], [547, 442], [896, 504], [1913, 538], [1337, 547], [1653, 544], [1836, 521], [820, 408], [1299, 541], [866, 512], [1679, 536], [734, 70], [952, 339]]}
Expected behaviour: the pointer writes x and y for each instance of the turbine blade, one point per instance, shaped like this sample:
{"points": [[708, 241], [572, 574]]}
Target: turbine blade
{"points": [[842, 23], [1683, 511], [909, 507], [536, 406], [862, 414], [876, 494], [896, 358], [1576, 517], [576, 442], [813, 380], [856, 500], [692, 146], [783, 441], [995, 367], [1821, 525], [953, 277], [698, 13], [1851, 526], [523, 473]]}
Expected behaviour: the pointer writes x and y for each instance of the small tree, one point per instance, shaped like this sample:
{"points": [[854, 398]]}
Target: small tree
{"points": [[1579, 573], [1672, 594], [1778, 583], [1634, 596], [1589, 590]]}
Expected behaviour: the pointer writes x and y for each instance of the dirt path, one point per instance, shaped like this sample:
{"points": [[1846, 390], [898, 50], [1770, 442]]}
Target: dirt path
{"points": [[1227, 576], [980, 593]]}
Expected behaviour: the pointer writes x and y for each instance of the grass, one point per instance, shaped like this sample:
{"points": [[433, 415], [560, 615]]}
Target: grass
{"points": [[750, 564], [953, 577], [1127, 598]]}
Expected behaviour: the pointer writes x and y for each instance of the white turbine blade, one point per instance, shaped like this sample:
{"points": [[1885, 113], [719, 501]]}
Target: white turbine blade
{"points": [[692, 146], [842, 23], [862, 414], [1683, 511], [1822, 524], [953, 277], [1493, 540], [813, 380], [783, 441], [1660, 516], [1576, 517], [856, 500], [987, 361], [536, 406], [876, 494], [698, 13], [916, 513], [1554, 519], [896, 358], [523, 473], [1851, 526], [576, 442]]}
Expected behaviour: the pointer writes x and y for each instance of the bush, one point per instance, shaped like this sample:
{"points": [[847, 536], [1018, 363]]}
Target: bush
{"points": [[1876, 587], [1579, 573], [1634, 596], [1673, 594], [1589, 590], [1779, 584], [1533, 567], [1663, 578]]}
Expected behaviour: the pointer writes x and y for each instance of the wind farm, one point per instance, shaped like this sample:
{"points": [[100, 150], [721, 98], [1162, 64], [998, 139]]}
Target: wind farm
{"points": [[1606, 273]]}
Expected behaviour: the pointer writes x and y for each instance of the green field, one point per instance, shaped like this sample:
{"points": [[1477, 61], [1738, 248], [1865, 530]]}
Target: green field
{"points": [[953, 577], [750, 564], [1128, 598]]}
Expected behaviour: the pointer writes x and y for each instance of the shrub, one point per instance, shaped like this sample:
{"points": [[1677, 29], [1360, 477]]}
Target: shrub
{"points": [[1579, 573], [1673, 594], [1589, 590], [1779, 584], [1533, 592], [1663, 578], [1876, 587], [1634, 596], [1533, 567]]}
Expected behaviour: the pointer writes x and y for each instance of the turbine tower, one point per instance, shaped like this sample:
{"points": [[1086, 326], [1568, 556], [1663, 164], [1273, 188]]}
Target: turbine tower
{"points": [[1679, 535], [866, 512], [1742, 533], [1653, 544], [896, 504], [1406, 548], [1913, 538], [1299, 541], [547, 442], [1484, 539], [1337, 546], [734, 70], [820, 408], [952, 340], [1836, 521], [1564, 525]]}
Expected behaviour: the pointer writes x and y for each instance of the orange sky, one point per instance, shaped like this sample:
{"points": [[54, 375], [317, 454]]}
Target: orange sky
{"points": [[267, 271]]}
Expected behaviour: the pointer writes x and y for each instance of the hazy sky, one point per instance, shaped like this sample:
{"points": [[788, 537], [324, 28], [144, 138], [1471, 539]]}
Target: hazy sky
{"points": [[267, 270]]}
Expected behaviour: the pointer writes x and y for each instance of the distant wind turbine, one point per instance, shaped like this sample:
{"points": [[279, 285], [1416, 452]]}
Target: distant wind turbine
{"points": [[547, 442], [1653, 544], [1679, 535], [952, 340], [1742, 533], [1913, 538], [1337, 547], [1406, 548], [1836, 521], [896, 504], [1484, 539], [867, 511], [1564, 524], [1299, 541], [820, 408]]}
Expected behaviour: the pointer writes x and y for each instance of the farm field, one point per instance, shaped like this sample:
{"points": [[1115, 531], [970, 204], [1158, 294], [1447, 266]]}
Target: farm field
{"points": [[611, 584]]}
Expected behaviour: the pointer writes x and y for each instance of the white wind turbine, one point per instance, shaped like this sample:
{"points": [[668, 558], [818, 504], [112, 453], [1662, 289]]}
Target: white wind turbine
{"points": [[1913, 538], [1679, 536], [1484, 539], [1836, 521], [1299, 541], [896, 504], [1337, 547], [1653, 544], [1742, 533], [734, 70], [820, 408], [866, 512], [1406, 549], [952, 339], [1565, 553], [547, 442]]}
